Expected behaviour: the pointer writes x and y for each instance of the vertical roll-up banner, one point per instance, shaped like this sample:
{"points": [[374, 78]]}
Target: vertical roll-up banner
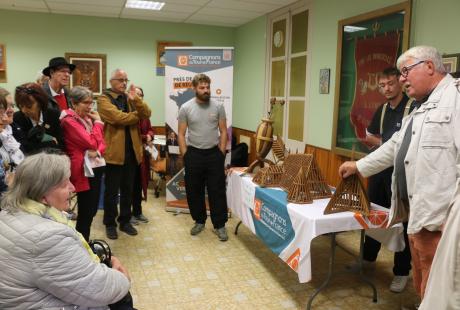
{"points": [[182, 64]]}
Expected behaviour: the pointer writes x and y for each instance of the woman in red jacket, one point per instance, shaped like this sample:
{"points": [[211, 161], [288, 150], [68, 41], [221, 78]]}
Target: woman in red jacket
{"points": [[84, 140]]}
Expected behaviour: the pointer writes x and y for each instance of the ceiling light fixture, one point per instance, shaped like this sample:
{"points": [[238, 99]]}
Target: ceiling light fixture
{"points": [[144, 5]]}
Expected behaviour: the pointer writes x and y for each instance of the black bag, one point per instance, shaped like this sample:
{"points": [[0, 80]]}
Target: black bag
{"points": [[102, 250]]}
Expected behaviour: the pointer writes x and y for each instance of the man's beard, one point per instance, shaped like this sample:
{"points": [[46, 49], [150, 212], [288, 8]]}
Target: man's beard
{"points": [[203, 97]]}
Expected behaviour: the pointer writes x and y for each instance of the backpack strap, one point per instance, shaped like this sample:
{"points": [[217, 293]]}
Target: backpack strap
{"points": [[382, 116]]}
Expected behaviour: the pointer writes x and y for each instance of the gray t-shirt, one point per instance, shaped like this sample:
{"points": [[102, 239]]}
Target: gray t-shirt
{"points": [[202, 122]]}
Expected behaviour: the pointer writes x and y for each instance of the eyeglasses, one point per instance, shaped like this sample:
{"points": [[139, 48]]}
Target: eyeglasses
{"points": [[121, 80], [87, 102], [26, 90], [405, 70]]}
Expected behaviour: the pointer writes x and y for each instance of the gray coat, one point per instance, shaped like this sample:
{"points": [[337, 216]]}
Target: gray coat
{"points": [[45, 266]]}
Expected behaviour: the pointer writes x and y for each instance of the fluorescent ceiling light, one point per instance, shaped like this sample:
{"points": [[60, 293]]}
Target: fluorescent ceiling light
{"points": [[353, 28], [144, 5]]}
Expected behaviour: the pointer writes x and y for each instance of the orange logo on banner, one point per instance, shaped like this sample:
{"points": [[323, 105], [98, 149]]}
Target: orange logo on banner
{"points": [[218, 91], [257, 207], [293, 260], [182, 60]]}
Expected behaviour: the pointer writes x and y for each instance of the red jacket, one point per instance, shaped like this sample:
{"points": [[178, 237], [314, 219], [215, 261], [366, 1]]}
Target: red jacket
{"points": [[77, 141]]}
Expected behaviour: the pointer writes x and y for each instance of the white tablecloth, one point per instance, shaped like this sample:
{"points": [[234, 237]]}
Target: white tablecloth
{"points": [[288, 229]]}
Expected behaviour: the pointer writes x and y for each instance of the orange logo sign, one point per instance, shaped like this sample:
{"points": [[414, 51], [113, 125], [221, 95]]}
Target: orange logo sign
{"points": [[182, 60]]}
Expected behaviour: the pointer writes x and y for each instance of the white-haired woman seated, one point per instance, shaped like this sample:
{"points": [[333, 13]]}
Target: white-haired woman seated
{"points": [[45, 263]]}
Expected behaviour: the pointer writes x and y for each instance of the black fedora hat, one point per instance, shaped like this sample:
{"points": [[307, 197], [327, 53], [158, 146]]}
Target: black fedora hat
{"points": [[55, 63]]}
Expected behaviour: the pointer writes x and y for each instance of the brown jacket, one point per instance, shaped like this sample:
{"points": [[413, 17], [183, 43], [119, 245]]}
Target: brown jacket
{"points": [[115, 122]]}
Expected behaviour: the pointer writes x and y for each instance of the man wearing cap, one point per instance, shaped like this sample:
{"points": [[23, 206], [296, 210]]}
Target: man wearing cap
{"points": [[58, 71]]}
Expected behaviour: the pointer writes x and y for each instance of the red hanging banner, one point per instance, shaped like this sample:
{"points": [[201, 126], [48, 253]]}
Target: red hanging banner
{"points": [[372, 55]]}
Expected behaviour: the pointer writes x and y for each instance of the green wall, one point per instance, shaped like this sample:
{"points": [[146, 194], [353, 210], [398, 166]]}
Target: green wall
{"points": [[33, 38], [427, 28], [249, 74]]}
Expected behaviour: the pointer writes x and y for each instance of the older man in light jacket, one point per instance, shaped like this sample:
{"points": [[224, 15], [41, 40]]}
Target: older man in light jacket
{"points": [[425, 156]]}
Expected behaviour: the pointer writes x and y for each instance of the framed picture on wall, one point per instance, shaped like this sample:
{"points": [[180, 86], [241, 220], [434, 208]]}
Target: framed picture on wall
{"points": [[90, 71], [2, 57], [451, 62], [324, 76], [3, 63], [160, 64], [367, 44]]}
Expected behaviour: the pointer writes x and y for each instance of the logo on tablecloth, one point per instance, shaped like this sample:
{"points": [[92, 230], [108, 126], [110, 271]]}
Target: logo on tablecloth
{"points": [[257, 207], [271, 219], [293, 260], [376, 219]]}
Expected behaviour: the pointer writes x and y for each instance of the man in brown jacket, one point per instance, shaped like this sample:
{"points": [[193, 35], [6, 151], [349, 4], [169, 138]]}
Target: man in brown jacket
{"points": [[121, 112]]}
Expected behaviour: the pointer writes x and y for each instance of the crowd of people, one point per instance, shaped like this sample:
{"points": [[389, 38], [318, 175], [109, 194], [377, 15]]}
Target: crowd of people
{"points": [[56, 143]]}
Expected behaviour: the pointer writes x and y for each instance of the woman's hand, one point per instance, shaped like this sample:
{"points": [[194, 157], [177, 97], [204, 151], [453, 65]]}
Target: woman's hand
{"points": [[116, 264], [94, 116]]}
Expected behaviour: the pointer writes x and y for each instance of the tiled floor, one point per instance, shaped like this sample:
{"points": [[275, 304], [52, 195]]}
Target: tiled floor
{"points": [[170, 269]]}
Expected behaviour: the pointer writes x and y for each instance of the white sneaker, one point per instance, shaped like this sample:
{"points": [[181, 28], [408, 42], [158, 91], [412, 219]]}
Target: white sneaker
{"points": [[398, 284]]}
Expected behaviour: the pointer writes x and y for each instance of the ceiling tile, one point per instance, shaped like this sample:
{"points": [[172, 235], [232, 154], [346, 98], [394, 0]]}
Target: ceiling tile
{"points": [[190, 2], [228, 12], [22, 4], [224, 19], [174, 7], [213, 23], [132, 13], [243, 5], [114, 3], [86, 13], [79, 8], [279, 3]]}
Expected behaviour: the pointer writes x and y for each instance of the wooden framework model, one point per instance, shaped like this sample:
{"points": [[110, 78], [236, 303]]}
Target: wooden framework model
{"points": [[279, 149], [269, 176], [299, 191], [303, 180], [349, 196]]}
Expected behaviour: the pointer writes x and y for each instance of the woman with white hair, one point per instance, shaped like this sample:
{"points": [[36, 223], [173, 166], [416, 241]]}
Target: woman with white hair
{"points": [[84, 140], [46, 263]]}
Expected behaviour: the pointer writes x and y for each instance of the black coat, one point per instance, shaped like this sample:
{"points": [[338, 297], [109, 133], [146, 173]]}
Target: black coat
{"points": [[51, 101], [32, 139]]}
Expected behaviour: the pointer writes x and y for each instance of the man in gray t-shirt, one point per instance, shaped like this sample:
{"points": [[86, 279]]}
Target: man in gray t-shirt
{"points": [[204, 156]]}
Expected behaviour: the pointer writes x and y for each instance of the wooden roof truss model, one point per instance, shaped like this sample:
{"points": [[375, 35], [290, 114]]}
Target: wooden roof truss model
{"points": [[350, 195]]}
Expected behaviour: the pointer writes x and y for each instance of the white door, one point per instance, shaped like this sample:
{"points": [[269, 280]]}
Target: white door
{"points": [[288, 76]]}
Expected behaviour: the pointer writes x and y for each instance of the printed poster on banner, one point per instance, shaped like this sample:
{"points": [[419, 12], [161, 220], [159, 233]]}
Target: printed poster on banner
{"points": [[182, 64]]}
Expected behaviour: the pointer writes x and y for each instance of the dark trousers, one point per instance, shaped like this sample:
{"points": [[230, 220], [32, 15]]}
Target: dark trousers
{"points": [[119, 178], [379, 190], [88, 202], [205, 168], [137, 192]]}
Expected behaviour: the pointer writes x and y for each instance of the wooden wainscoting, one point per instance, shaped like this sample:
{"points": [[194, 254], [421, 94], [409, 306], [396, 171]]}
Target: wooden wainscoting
{"points": [[329, 164], [242, 135], [248, 137], [159, 130]]}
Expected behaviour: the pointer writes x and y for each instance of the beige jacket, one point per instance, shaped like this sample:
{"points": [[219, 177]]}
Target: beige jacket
{"points": [[443, 288], [114, 129], [432, 160]]}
